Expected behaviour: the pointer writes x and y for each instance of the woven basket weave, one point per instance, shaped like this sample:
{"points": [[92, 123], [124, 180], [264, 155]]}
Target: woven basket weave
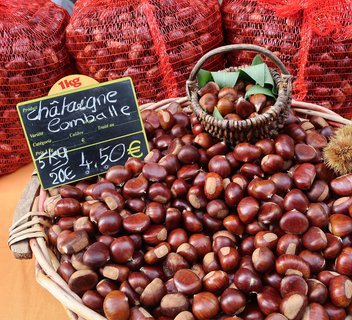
{"points": [[266, 125]]}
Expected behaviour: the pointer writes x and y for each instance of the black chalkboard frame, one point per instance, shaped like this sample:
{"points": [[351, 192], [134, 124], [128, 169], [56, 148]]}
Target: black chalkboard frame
{"points": [[141, 133]]}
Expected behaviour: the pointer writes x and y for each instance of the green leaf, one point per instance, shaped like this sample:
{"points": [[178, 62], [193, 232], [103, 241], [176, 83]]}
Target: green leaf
{"points": [[203, 77], [268, 77], [259, 90], [256, 73], [217, 114], [225, 79], [257, 60]]}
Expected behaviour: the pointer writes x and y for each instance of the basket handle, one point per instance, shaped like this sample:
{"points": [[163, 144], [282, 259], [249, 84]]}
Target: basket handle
{"points": [[235, 47]]}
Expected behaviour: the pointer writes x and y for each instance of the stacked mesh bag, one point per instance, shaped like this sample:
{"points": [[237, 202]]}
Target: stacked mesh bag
{"points": [[156, 42], [32, 58], [313, 38]]}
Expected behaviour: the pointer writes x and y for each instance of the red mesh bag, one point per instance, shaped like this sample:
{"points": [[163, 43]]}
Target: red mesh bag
{"points": [[32, 58], [312, 37], [156, 42]]}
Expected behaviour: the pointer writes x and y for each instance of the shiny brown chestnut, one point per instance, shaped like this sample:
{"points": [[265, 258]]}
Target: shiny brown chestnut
{"points": [[247, 281], [317, 291], [205, 306], [232, 301], [293, 305], [116, 306], [268, 300]]}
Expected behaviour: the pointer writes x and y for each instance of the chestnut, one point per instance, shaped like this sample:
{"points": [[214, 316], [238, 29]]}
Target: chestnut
{"points": [[246, 152], [317, 215], [314, 239], [188, 154], [304, 176], [116, 306], [72, 242], [228, 258], [65, 270], [153, 293], [66, 207], [263, 260], [244, 108], [294, 222], [173, 263], [96, 255], [82, 280], [188, 252], [157, 253], [296, 199], [265, 239], [343, 262], [213, 186], [187, 282], [173, 303], [247, 209], [232, 301], [284, 146], [219, 165], [315, 311], [119, 174], [272, 163], [233, 194], [340, 224], [247, 245], [335, 312], [317, 291], [247, 281], [268, 300], [110, 222], [342, 186], [269, 213], [291, 264], [293, 305], [340, 291], [136, 223], [225, 106], [154, 172], [233, 224], [205, 306], [115, 272], [293, 283], [261, 189], [201, 243], [217, 209], [288, 244], [215, 281], [122, 249]]}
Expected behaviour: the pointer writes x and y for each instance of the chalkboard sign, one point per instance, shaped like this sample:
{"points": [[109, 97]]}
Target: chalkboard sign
{"points": [[83, 133]]}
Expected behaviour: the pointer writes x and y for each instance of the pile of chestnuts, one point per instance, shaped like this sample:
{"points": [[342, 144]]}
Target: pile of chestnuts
{"points": [[199, 230], [231, 103]]}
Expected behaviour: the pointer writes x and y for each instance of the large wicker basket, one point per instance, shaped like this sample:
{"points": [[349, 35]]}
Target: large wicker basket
{"points": [[27, 234], [265, 125]]}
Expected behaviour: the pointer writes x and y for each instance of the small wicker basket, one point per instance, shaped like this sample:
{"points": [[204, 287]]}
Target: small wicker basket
{"points": [[266, 125], [27, 235]]}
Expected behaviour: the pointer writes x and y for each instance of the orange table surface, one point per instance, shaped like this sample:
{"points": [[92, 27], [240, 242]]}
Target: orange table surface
{"points": [[22, 298]]}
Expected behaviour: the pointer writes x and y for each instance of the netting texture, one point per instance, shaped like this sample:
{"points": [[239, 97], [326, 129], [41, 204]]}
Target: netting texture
{"points": [[32, 58], [155, 42], [313, 38]]}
